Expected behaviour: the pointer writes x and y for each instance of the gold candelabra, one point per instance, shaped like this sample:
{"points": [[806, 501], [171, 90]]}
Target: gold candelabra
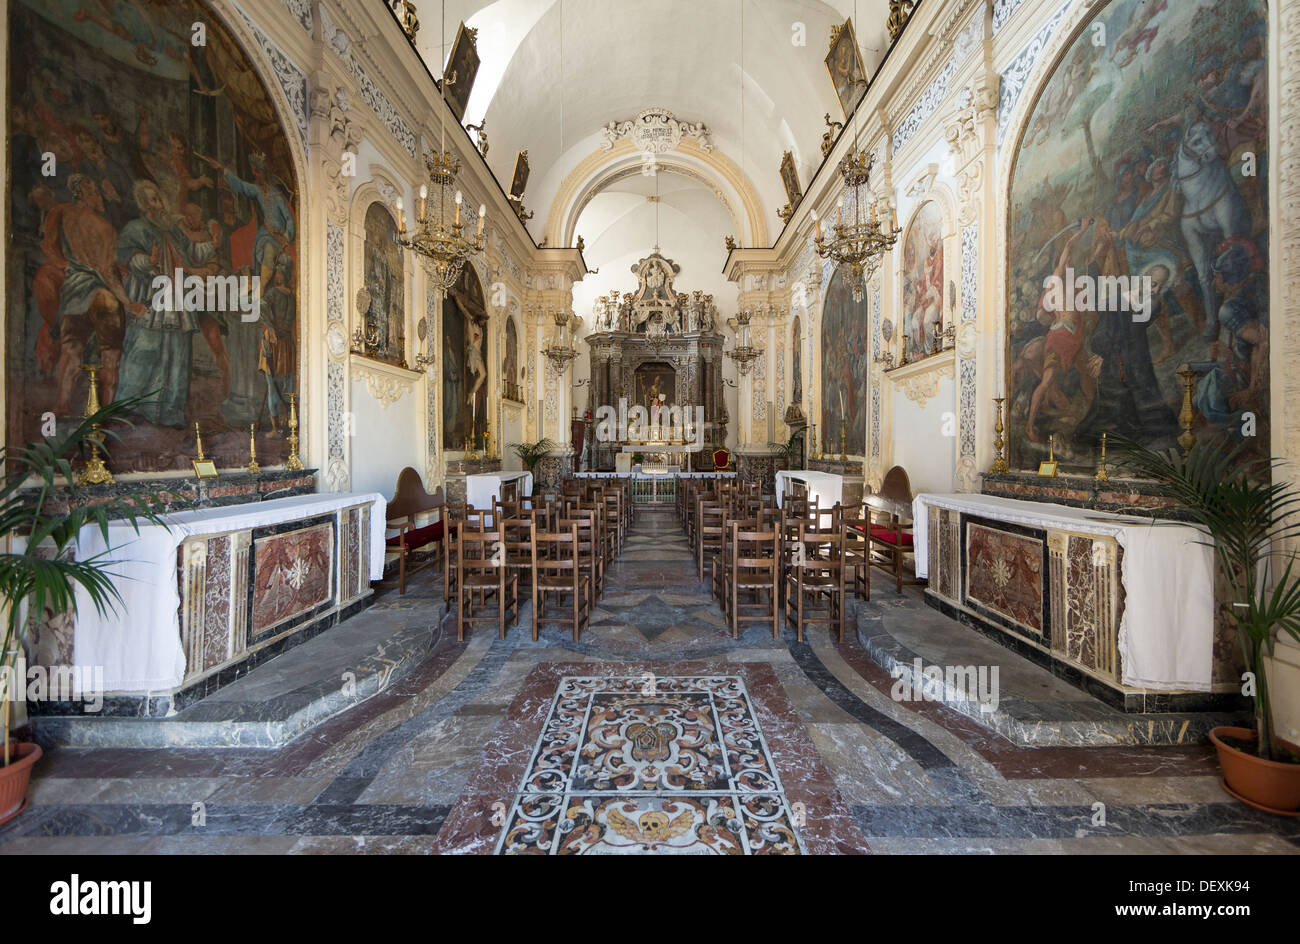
{"points": [[859, 242], [1187, 416], [293, 463], [999, 466], [1102, 475], [252, 468], [437, 238], [95, 472]]}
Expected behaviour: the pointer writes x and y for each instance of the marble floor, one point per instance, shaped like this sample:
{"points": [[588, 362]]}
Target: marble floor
{"points": [[776, 746]]}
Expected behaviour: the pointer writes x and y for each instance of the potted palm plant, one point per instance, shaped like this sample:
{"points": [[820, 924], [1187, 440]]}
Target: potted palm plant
{"points": [[790, 451], [1248, 517], [38, 575], [532, 453]]}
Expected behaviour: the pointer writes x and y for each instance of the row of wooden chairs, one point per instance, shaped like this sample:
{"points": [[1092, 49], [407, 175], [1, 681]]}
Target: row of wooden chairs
{"points": [[798, 558], [560, 544]]}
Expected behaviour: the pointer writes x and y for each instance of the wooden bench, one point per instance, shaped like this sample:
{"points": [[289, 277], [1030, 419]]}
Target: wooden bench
{"points": [[411, 501]]}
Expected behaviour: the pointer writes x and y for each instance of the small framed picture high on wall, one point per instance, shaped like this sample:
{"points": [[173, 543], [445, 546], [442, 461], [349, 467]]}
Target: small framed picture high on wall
{"points": [[844, 63], [790, 178]]}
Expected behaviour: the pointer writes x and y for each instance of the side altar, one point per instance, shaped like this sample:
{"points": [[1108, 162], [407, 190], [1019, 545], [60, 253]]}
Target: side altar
{"points": [[657, 349]]}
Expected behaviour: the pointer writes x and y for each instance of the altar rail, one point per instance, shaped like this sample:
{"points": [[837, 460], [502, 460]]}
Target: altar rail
{"points": [[650, 488]]}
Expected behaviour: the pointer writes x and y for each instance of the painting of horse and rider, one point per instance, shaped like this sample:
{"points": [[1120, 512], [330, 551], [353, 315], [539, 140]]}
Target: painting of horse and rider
{"points": [[1143, 157]]}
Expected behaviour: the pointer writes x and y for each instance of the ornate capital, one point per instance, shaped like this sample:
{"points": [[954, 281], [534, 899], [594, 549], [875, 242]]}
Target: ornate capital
{"points": [[974, 121]]}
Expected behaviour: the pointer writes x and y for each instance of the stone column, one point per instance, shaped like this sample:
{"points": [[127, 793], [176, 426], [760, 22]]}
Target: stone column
{"points": [[971, 134], [332, 145]]}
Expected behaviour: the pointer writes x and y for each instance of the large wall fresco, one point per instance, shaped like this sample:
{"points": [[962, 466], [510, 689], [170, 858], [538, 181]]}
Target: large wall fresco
{"points": [[384, 282], [135, 153], [923, 315], [844, 368], [1145, 156]]}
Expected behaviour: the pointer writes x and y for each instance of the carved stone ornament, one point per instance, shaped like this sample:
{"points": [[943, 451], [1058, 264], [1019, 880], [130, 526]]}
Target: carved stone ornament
{"points": [[385, 386], [336, 340], [655, 131], [922, 385]]}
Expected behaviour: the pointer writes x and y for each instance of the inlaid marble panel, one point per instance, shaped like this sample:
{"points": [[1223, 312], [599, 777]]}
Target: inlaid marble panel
{"points": [[291, 574], [215, 639], [1004, 576], [633, 764]]}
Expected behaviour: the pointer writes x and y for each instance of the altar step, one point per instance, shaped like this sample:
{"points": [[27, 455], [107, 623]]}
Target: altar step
{"points": [[284, 697], [1034, 708]]}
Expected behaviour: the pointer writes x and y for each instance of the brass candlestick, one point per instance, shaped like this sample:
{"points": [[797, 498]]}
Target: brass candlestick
{"points": [[252, 468], [198, 442], [95, 472], [999, 466], [1187, 416], [816, 443], [843, 457], [1102, 475], [293, 463]]}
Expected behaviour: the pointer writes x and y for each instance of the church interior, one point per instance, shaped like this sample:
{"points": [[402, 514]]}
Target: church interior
{"points": [[650, 427]]}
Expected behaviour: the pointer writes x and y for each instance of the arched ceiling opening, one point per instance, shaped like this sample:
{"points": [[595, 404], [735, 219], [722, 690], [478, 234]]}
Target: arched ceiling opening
{"points": [[554, 72], [619, 227]]}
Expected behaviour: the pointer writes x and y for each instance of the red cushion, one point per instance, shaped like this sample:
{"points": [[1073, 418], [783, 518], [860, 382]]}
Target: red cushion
{"points": [[419, 537], [889, 536]]}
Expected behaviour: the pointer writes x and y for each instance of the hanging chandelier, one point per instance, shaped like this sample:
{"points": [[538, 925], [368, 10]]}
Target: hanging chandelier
{"points": [[859, 241], [743, 352], [562, 349], [438, 239]]}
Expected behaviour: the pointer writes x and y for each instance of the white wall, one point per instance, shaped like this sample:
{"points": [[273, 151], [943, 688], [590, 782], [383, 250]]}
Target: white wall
{"points": [[919, 444], [385, 440]]}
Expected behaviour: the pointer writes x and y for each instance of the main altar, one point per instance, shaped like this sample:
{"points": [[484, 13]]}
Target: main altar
{"points": [[658, 349]]}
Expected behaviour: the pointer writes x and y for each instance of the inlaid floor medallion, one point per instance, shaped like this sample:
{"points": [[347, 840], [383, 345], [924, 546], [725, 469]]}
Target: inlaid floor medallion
{"points": [[672, 765]]}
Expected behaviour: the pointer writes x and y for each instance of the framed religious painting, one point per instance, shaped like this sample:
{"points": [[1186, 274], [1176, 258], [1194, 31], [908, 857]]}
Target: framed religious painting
{"points": [[790, 178], [462, 67], [844, 63], [519, 175]]}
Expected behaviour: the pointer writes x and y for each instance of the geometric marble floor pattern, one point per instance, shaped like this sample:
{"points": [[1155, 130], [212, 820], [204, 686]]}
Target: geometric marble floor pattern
{"points": [[752, 745]]}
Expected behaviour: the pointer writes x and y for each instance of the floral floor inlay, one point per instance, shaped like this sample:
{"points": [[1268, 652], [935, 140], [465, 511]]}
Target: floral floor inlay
{"points": [[645, 764]]}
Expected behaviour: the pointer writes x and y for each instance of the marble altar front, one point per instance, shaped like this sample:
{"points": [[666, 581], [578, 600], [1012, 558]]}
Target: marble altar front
{"points": [[1123, 606], [210, 593]]}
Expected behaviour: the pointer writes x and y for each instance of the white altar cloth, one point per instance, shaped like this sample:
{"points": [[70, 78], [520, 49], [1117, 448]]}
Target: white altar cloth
{"points": [[826, 487], [482, 488], [138, 642], [1166, 637]]}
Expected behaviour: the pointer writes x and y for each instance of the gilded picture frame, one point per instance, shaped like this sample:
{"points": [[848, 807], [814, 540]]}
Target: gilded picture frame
{"points": [[462, 67], [790, 178], [845, 68]]}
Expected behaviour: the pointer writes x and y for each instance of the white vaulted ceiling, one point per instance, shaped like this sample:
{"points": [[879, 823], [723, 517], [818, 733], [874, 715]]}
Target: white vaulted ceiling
{"points": [[554, 72]]}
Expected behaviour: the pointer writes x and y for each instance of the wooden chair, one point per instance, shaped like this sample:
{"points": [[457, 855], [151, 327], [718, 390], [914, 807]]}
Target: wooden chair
{"points": [[517, 541], [614, 522], [411, 501], [557, 571], [816, 573], [708, 538], [481, 573], [857, 556], [461, 516], [591, 563], [753, 571], [889, 513]]}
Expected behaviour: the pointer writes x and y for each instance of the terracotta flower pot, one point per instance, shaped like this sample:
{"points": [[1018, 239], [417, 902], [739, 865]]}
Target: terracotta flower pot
{"points": [[1264, 784], [14, 778]]}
